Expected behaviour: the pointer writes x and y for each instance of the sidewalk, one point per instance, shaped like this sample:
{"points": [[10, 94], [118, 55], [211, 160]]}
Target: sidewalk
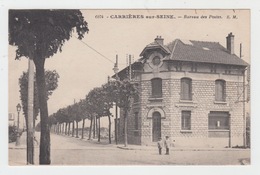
{"points": [[23, 143]]}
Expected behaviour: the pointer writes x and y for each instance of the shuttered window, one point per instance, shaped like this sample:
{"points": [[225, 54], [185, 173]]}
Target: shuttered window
{"points": [[220, 87], [186, 120], [186, 89], [156, 87]]}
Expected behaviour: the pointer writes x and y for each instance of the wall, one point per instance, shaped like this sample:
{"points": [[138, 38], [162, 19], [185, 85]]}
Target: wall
{"points": [[203, 85]]}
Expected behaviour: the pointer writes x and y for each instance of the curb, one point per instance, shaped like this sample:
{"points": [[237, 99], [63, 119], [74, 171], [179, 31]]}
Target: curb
{"points": [[184, 149], [127, 148]]}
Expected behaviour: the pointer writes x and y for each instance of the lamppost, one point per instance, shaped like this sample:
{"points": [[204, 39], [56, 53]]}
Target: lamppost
{"points": [[18, 108], [115, 69]]}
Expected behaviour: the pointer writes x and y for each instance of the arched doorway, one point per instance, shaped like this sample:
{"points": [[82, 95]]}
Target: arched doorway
{"points": [[156, 126]]}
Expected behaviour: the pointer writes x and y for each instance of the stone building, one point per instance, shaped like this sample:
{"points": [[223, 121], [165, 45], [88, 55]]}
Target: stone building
{"points": [[191, 91]]}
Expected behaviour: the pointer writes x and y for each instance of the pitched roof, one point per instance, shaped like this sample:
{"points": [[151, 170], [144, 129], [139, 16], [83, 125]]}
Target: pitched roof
{"points": [[155, 45], [201, 51]]}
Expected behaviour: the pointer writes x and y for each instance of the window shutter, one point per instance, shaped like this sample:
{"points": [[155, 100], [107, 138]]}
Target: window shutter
{"points": [[220, 90], [156, 87], [186, 89]]}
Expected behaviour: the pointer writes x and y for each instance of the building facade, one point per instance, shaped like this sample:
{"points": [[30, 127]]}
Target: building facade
{"points": [[191, 91]]}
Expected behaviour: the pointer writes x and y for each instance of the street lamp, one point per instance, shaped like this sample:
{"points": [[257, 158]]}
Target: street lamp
{"points": [[18, 108]]}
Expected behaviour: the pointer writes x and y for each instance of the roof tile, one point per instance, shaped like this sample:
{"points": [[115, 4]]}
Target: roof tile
{"points": [[201, 51]]}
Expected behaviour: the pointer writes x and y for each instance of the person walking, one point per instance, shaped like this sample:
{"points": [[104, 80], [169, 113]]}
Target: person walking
{"points": [[167, 145], [160, 145]]}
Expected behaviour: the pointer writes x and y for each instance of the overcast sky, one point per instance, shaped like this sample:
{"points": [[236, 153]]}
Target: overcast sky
{"points": [[81, 68]]}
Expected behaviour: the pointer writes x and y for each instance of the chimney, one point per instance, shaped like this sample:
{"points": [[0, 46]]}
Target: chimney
{"points": [[159, 40], [230, 43]]}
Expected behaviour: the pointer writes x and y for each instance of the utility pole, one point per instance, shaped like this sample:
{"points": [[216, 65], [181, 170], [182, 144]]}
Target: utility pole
{"points": [[30, 132], [244, 100], [116, 120]]}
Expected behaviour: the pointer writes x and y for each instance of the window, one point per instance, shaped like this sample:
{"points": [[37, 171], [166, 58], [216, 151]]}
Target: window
{"points": [[228, 70], [218, 121], [186, 89], [156, 60], [136, 120], [186, 120], [194, 67], [220, 86], [156, 87], [213, 68], [179, 66]]}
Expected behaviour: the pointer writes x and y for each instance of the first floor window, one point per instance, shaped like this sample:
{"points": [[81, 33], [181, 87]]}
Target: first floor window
{"points": [[220, 90], [186, 120], [156, 87], [218, 121], [186, 89]]}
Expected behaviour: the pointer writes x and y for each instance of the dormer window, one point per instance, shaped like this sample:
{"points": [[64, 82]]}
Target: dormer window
{"points": [[156, 60]]}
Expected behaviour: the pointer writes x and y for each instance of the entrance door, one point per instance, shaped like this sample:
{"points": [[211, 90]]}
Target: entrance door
{"points": [[156, 126]]}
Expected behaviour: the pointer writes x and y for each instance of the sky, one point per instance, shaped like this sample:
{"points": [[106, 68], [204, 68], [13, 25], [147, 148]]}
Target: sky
{"points": [[83, 65]]}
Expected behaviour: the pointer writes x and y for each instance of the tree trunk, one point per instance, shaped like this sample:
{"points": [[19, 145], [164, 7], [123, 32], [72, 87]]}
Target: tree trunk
{"points": [[90, 128], [45, 129], [125, 128], [83, 127], [94, 127], [116, 125], [66, 127], [69, 130], [73, 128], [109, 129], [77, 129], [59, 128], [63, 128], [97, 126], [99, 129]]}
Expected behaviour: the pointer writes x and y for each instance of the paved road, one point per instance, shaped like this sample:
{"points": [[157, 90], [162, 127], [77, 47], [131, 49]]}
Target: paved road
{"points": [[73, 151]]}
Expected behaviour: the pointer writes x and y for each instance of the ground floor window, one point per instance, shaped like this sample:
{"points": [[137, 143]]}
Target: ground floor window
{"points": [[218, 121], [186, 120]]}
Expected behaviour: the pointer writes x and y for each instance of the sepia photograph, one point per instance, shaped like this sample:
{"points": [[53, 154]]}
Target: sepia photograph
{"points": [[129, 87]]}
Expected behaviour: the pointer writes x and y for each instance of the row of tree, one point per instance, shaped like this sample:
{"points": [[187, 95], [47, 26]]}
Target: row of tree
{"points": [[97, 104]]}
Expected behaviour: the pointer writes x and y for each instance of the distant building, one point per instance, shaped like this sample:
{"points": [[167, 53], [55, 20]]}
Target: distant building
{"points": [[11, 119], [191, 91]]}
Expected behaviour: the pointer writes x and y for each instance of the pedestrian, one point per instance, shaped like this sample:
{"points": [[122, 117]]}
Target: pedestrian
{"points": [[167, 145], [160, 145]]}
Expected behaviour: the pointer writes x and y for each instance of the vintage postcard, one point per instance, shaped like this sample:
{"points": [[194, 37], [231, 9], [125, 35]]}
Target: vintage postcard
{"points": [[129, 87]]}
